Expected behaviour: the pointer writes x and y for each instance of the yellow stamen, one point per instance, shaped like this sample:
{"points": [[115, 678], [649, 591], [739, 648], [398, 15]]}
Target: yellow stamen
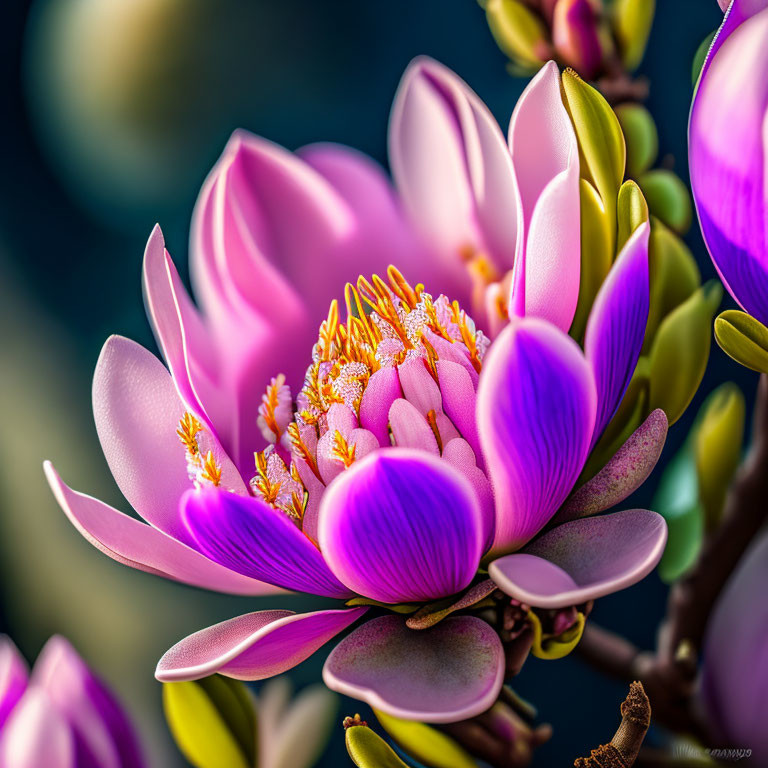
{"points": [[302, 449], [189, 426], [211, 471], [342, 450], [432, 421], [271, 403]]}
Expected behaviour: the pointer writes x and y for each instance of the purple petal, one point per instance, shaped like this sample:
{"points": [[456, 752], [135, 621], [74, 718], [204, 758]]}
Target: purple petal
{"points": [[13, 677], [452, 671], [536, 412], [36, 735], [254, 646], [141, 546], [735, 671], [583, 559], [727, 154], [401, 525], [247, 536], [452, 168], [616, 326], [103, 735], [623, 474]]}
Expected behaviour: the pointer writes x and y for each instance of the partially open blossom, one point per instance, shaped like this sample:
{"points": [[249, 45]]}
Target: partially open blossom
{"points": [[727, 154], [735, 670], [61, 715], [575, 35]]}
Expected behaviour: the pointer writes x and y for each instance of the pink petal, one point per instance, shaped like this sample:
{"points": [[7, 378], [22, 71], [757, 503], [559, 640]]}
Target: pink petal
{"points": [[401, 525], [452, 671], [410, 429], [36, 735], [254, 646], [536, 411], [145, 548], [13, 677], [459, 402], [583, 559]]}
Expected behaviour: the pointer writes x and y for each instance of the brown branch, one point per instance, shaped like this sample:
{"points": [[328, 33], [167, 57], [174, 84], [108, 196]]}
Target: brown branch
{"points": [[669, 674], [624, 747]]}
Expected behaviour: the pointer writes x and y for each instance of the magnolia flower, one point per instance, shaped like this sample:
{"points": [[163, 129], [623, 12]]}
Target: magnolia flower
{"points": [[735, 670], [60, 716], [727, 154]]}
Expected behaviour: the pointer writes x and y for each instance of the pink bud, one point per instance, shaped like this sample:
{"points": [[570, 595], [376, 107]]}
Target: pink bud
{"points": [[575, 35]]}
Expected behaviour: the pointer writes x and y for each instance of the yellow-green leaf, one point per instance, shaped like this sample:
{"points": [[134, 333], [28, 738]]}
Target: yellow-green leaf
{"points": [[199, 728], [631, 212], [429, 746], [601, 142], [641, 137], [680, 352], [368, 750], [518, 31], [632, 21], [668, 198], [596, 254], [555, 647], [718, 447], [673, 275], [744, 338]]}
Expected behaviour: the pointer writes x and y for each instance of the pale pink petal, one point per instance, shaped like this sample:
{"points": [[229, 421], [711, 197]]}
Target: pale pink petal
{"points": [[145, 548], [254, 646], [410, 428], [382, 390], [459, 401]]}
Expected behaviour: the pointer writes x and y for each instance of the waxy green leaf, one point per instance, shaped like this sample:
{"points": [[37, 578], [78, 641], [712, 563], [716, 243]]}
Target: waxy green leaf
{"points": [[431, 747], [668, 198], [631, 212], [743, 338]]}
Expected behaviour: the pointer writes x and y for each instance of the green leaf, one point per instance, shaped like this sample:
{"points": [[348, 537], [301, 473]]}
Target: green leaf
{"points": [[743, 338], [641, 137], [632, 21], [680, 352], [668, 198], [209, 724], [601, 142], [429, 746], [596, 254], [673, 276], [631, 212], [700, 57], [368, 750], [518, 32], [718, 448]]}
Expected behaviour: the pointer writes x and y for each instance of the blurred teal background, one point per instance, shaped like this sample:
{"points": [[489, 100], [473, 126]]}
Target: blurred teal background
{"points": [[114, 111]]}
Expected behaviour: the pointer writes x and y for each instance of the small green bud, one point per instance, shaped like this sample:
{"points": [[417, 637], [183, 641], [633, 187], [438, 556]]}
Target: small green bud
{"points": [[519, 32], [632, 211], [367, 749], [632, 21], [641, 137], [743, 338], [668, 198]]}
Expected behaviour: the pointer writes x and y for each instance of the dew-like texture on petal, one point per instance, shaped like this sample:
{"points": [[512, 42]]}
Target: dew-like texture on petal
{"points": [[452, 671], [727, 156], [254, 646], [36, 735], [250, 537], [583, 559], [400, 525], [452, 168], [623, 474], [104, 736], [616, 326], [13, 677], [735, 670], [145, 548], [535, 411], [545, 155]]}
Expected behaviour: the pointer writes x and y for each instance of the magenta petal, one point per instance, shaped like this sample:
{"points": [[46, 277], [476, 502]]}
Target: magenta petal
{"points": [[145, 548], [452, 671], [535, 412], [623, 474], [616, 326], [735, 670], [727, 157], [459, 402], [246, 535], [401, 525], [583, 559], [104, 736], [37, 735], [13, 677], [254, 646]]}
